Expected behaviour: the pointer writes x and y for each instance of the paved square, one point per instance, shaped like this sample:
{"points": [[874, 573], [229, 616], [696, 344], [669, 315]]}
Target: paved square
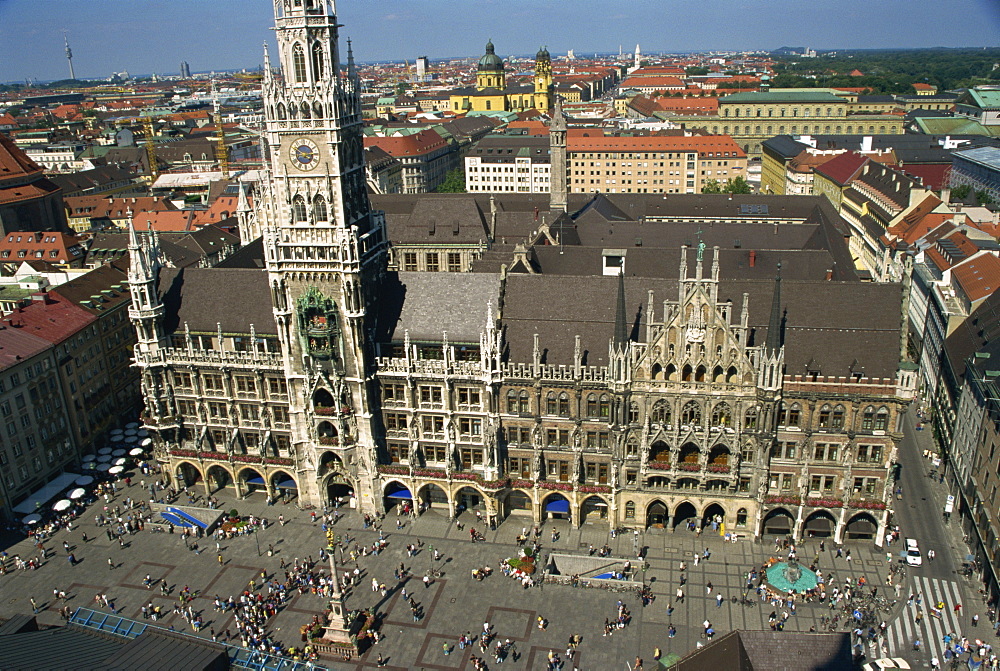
{"points": [[453, 604]]}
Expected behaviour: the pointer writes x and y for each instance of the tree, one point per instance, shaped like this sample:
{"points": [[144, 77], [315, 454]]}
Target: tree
{"points": [[454, 182], [695, 71], [983, 198], [737, 185], [961, 192], [711, 186]]}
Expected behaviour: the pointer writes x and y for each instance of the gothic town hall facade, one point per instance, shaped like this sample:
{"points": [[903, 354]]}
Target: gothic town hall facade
{"points": [[617, 360]]}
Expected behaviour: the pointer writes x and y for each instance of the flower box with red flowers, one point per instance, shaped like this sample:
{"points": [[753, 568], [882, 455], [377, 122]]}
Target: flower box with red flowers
{"points": [[557, 486], [394, 470], [522, 484], [429, 473], [329, 440], [595, 489], [211, 455], [792, 500], [825, 503], [494, 484], [321, 410], [183, 453], [464, 476], [867, 505], [685, 466], [279, 461], [718, 468], [659, 465], [247, 459]]}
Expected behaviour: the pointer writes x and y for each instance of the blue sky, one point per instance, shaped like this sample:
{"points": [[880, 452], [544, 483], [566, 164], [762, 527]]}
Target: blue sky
{"points": [[144, 36]]}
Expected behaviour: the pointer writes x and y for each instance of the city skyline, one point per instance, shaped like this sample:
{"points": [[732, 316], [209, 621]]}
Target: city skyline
{"points": [[234, 30]]}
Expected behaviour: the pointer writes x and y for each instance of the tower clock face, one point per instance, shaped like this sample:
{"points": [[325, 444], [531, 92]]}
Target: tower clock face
{"points": [[304, 154]]}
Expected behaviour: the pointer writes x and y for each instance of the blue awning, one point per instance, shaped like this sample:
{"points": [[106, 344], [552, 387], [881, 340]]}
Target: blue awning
{"points": [[288, 484], [557, 506], [400, 494], [255, 480]]}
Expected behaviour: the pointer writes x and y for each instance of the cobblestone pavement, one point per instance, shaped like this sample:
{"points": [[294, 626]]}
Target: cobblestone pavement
{"points": [[453, 604]]}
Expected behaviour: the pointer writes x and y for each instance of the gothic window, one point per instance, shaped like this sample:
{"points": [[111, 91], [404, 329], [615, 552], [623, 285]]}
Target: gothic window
{"points": [[633, 412], [837, 419], [299, 209], [721, 415], [691, 414], [631, 448], [630, 510], [563, 405], [305, 111], [824, 417], [605, 406], [524, 401], [317, 61], [656, 372], [660, 413], [868, 419], [592, 405], [551, 404], [281, 111], [699, 375], [317, 110], [319, 209], [299, 63], [882, 419], [750, 420], [512, 401]]}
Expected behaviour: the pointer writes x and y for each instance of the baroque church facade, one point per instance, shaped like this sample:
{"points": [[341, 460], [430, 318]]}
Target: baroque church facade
{"points": [[492, 91], [537, 387]]}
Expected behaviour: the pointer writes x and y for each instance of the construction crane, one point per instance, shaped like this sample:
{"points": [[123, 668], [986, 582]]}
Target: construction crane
{"points": [[147, 129]]}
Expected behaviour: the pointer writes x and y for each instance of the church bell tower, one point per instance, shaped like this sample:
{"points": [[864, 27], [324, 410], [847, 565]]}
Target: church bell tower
{"points": [[324, 247]]}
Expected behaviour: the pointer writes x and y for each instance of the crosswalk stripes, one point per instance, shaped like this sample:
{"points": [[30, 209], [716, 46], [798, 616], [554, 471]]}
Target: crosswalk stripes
{"points": [[931, 630]]}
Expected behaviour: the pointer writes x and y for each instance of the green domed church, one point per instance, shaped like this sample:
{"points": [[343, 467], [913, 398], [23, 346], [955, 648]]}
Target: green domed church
{"points": [[491, 91]]}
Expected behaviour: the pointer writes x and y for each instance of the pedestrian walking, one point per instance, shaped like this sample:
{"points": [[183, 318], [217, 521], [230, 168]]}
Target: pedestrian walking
{"points": [[718, 601], [34, 605], [975, 620], [111, 564]]}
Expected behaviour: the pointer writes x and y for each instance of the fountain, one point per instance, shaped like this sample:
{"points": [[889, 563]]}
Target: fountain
{"points": [[791, 576]]}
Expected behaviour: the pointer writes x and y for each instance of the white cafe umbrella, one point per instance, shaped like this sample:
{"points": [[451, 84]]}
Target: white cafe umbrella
{"points": [[104, 467], [117, 432], [120, 461], [132, 439], [115, 470], [33, 518], [105, 458], [132, 425], [78, 493], [83, 480], [142, 433], [62, 505], [135, 451], [146, 442], [89, 457], [131, 432], [105, 450], [118, 453], [89, 465]]}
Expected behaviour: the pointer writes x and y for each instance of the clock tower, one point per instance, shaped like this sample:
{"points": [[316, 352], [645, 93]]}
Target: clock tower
{"points": [[324, 249]]}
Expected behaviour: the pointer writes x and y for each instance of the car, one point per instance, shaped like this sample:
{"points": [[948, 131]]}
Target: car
{"points": [[885, 663], [913, 557]]}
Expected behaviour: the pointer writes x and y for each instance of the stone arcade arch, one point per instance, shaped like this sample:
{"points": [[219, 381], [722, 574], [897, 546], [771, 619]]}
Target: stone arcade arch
{"points": [[777, 522], [714, 513], [862, 526], [187, 474], [284, 485], [555, 506], [684, 512], [819, 524], [594, 508], [656, 515], [219, 478], [471, 499], [251, 481], [432, 497], [395, 492], [517, 502]]}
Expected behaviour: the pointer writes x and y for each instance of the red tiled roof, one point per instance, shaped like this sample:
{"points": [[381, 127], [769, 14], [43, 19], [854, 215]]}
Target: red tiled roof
{"points": [[843, 168], [13, 161], [719, 145], [979, 276], [655, 82], [165, 221], [53, 319], [50, 246], [16, 345], [423, 142], [934, 176]]}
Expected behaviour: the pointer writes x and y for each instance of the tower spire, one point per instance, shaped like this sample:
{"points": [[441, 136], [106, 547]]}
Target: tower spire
{"points": [[352, 72], [621, 319], [267, 65], [773, 343], [69, 56], [557, 149]]}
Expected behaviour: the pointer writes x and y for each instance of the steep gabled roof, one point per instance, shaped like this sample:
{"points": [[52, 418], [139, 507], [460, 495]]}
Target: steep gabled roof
{"points": [[843, 168]]}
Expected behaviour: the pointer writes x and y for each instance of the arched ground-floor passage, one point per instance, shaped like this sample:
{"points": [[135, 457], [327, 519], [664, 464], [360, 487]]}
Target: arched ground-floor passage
{"points": [[252, 481], [861, 526], [395, 493], [518, 503], [219, 478], [593, 509], [471, 499], [819, 524], [284, 486], [555, 506], [656, 515], [339, 491], [713, 517], [777, 522], [432, 497], [187, 474], [685, 516]]}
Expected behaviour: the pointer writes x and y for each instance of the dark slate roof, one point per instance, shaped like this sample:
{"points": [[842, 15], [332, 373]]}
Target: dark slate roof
{"points": [[764, 650], [202, 298], [68, 647], [978, 330], [250, 255], [109, 246], [832, 327], [429, 304], [160, 649], [210, 239], [784, 146]]}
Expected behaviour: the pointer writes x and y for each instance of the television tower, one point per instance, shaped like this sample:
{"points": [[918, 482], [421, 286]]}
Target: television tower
{"points": [[69, 56]]}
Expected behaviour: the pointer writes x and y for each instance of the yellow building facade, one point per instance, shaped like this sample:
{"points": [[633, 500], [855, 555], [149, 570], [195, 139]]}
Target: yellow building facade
{"points": [[491, 91]]}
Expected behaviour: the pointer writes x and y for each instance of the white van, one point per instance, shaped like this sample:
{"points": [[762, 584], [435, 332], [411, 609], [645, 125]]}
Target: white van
{"points": [[913, 557]]}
